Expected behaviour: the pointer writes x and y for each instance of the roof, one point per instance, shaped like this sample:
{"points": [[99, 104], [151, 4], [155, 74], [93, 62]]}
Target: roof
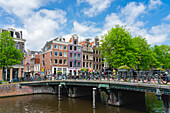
{"points": [[92, 43], [70, 40], [82, 43]]}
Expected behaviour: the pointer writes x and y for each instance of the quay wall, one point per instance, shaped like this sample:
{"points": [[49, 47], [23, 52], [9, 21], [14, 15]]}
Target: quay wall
{"points": [[14, 90]]}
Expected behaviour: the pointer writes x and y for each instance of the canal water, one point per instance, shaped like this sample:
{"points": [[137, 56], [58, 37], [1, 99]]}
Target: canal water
{"points": [[47, 103]]}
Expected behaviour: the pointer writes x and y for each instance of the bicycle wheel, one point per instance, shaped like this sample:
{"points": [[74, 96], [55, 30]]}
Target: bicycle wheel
{"points": [[149, 78], [155, 78], [163, 79]]}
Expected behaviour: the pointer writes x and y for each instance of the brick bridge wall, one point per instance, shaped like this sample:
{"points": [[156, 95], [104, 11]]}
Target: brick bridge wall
{"points": [[14, 90]]}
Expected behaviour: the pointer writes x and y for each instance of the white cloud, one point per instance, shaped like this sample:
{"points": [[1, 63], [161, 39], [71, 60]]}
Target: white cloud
{"points": [[154, 4], [132, 11], [167, 18], [129, 16], [21, 8], [39, 25], [97, 6], [42, 26], [85, 29]]}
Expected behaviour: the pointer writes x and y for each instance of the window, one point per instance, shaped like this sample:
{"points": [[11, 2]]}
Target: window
{"points": [[78, 64], [75, 64], [71, 55], [71, 48], [94, 59], [65, 61], [75, 48], [75, 55], [43, 63], [60, 53], [78, 56], [56, 46], [97, 52], [79, 49], [65, 54], [55, 53], [83, 56], [64, 70], [51, 62], [60, 61], [65, 47], [94, 51], [97, 66], [94, 66], [87, 64], [60, 39], [87, 57], [43, 56], [83, 64], [91, 57], [59, 69], [60, 47], [97, 59], [55, 61], [90, 65], [75, 41], [71, 64], [51, 53]]}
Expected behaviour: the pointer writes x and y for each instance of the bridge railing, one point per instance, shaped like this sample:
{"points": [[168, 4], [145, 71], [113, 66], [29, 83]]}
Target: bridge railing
{"points": [[120, 76]]}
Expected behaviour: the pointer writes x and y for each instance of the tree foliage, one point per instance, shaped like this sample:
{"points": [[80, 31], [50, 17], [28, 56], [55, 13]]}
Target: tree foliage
{"points": [[143, 53], [118, 48], [162, 56], [9, 54]]}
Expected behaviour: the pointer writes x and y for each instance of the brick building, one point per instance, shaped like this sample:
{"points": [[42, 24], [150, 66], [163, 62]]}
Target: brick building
{"points": [[16, 70], [74, 55], [97, 57], [54, 57], [32, 63], [87, 54]]}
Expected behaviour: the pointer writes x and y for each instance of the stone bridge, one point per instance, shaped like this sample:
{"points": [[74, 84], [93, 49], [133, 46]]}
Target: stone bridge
{"points": [[117, 93]]}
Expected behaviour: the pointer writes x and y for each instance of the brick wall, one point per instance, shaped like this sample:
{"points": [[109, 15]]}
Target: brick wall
{"points": [[14, 89]]}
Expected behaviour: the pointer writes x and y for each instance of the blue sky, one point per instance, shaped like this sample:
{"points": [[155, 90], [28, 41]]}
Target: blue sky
{"points": [[43, 20]]}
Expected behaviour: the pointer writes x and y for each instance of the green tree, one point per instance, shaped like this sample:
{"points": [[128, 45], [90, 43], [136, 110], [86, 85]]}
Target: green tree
{"points": [[9, 54], [118, 47], [143, 53], [162, 54]]}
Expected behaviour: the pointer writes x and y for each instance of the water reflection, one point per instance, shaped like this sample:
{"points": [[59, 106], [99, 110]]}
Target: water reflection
{"points": [[50, 104]]}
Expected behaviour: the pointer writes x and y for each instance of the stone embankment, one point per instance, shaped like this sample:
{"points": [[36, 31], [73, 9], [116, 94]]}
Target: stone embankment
{"points": [[8, 90]]}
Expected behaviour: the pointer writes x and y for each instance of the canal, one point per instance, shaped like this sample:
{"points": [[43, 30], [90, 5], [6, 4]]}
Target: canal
{"points": [[47, 103]]}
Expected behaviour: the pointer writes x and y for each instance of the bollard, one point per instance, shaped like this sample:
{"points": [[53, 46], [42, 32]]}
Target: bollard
{"points": [[108, 77], [118, 76], [129, 76], [143, 78], [94, 98], [59, 92]]}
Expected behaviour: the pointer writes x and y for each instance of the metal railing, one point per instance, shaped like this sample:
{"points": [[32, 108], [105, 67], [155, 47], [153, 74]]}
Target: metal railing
{"points": [[121, 76]]}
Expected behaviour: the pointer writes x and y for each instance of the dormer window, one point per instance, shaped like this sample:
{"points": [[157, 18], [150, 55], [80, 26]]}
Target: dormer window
{"points": [[60, 39], [75, 41]]}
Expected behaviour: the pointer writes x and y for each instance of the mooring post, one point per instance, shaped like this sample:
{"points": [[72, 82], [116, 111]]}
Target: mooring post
{"points": [[59, 92], [94, 98]]}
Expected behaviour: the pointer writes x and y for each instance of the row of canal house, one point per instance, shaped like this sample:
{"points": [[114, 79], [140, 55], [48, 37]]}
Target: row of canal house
{"points": [[56, 55], [71, 56]]}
